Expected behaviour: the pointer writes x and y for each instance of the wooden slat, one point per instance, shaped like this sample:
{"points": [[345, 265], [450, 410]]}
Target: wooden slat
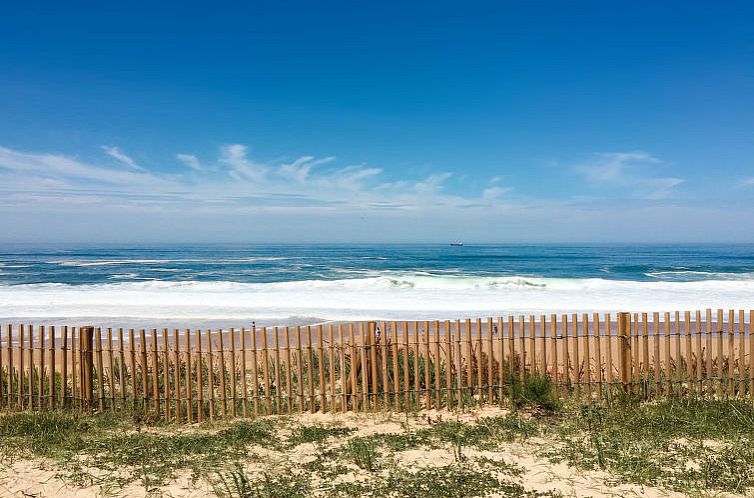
{"points": [[321, 368], [427, 366], [699, 352], [609, 354], [155, 374], [63, 367], [533, 344], [364, 370], [310, 365], [448, 365], [354, 357], [300, 368], [566, 356], [636, 354], [479, 353], [512, 348], [751, 352], [189, 387], [244, 363], [211, 374], [166, 391], [741, 351], [3, 379], [276, 364], [469, 361], [100, 370], [74, 367], [342, 364], [406, 373], [438, 379], [396, 381], [121, 368], [199, 376], [501, 362], [666, 365], [490, 362], [255, 368], [288, 372], [657, 358], [554, 353], [731, 349], [708, 342], [12, 382], [331, 366], [689, 368], [587, 354], [645, 350], [132, 361], [111, 366], [266, 373], [41, 375], [459, 363], [543, 349], [417, 381], [52, 401], [223, 371], [522, 342], [144, 372], [677, 374], [598, 353], [719, 333], [576, 354], [30, 350], [232, 371]]}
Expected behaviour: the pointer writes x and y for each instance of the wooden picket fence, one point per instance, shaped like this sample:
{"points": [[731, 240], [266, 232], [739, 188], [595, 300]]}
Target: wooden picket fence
{"points": [[195, 375]]}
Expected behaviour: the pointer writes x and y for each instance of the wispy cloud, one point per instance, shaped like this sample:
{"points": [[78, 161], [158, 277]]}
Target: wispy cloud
{"points": [[634, 171], [232, 181], [241, 167], [118, 154], [191, 161]]}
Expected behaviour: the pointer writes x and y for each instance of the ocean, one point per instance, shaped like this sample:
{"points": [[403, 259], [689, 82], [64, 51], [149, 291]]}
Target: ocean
{"points": [[197, 285]]}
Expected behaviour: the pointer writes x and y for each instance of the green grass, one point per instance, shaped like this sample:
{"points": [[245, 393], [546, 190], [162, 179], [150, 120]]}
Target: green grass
{"points": [[687, 445], [694, 446]]}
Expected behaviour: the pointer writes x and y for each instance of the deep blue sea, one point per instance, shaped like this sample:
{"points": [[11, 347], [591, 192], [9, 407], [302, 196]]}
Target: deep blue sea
{"points": [[285, 283]]}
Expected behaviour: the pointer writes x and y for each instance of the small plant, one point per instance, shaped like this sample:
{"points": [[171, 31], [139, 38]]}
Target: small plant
{"points": [[534, 391], [363, 452], [236, 483]]}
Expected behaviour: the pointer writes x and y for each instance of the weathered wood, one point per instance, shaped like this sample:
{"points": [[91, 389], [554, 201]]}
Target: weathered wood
{"points": [[199, 376], [166, 391], [624, 337], [189, 387], [100, 372], [155, 374], [87, 365]]}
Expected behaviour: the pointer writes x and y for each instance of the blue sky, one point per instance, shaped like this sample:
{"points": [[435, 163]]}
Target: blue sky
{"points": [[355, 121]]}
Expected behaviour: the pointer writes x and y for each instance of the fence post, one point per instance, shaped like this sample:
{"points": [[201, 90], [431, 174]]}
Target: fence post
{"points": [[624, 338], [87, 365]]}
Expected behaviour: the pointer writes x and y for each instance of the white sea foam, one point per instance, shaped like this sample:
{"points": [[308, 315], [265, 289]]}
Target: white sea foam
{"points": [[110, 263], [388, 296]]}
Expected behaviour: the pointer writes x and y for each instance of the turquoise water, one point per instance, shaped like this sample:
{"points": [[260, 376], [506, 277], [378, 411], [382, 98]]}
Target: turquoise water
{"points": [[287, 282], [77, 265]]}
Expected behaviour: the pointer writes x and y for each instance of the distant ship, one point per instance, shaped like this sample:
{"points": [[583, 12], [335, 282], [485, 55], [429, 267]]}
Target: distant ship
{"points": [[456, 243]]}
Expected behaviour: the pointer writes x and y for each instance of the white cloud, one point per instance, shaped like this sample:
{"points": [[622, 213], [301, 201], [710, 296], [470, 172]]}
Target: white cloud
{"points": [[634, 171], [233, 182], [116, 153], [241, 168], [300, 168], [492, 194], [191, 161]]}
